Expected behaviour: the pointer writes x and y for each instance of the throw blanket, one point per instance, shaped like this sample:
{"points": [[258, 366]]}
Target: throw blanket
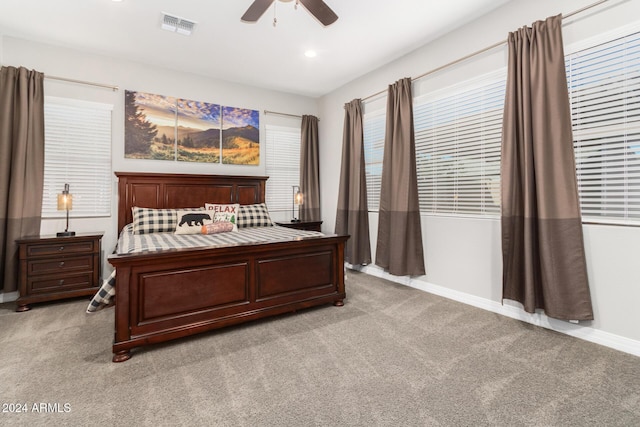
{"points": [[134, 243]]}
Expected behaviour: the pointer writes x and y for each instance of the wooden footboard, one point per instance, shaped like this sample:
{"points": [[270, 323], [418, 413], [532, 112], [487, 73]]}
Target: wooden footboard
{"points": [[172, 294]]}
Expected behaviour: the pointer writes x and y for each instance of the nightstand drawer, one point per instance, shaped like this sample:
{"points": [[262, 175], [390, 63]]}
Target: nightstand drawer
{"points": [[61, 265], [60, 248], [63, 283]]}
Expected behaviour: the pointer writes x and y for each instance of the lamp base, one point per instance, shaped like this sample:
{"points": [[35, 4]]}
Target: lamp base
{"points": [[295, 220], [65, 233]]}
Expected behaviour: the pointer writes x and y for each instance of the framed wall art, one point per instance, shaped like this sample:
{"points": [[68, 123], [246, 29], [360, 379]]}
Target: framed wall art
{"points": [[161, 127]]}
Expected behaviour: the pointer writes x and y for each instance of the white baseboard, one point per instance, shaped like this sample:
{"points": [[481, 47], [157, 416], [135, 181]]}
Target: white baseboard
{"points": [[586, 333], [9, 296]]}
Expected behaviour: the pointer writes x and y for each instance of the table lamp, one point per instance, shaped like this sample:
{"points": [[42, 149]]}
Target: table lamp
{"points": [[298, 200], [65, 203]]}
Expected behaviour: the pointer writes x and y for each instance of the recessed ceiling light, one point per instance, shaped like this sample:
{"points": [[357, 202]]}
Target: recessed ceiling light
{"points": [[310, 54]]}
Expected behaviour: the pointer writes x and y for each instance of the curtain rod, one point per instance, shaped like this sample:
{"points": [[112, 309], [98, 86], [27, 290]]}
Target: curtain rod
{"points": [[283, 114], [82, 82], [471, 55]]}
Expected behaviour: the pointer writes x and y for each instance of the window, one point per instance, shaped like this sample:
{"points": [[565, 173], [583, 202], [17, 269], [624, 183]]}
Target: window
{"points": [[604, 90], [458, 136], [373, 129], [283, 166], [77, 152]]}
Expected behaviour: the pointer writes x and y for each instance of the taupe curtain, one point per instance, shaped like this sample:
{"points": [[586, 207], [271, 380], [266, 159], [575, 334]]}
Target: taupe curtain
{"points": [[21, 164], [543, 255], [352, 216], [310, 169], [399, 247]]}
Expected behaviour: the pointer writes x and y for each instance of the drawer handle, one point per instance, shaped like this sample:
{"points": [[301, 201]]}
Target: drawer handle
{"points": [[61, 264], [61, 282], [61, 248]]}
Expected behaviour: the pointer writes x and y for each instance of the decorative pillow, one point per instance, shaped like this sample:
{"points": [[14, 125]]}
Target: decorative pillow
{"points": [[254, 216], [191, 222], [217, 227], [224, 213], [147, 220]]}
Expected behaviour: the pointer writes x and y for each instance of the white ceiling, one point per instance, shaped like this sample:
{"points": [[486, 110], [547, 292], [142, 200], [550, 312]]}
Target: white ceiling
{"points": [[367, 35]]}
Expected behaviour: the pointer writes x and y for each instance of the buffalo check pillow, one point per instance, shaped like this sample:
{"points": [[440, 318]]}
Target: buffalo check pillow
{"points": [[223, 213], [254, 216], [148, 220]]}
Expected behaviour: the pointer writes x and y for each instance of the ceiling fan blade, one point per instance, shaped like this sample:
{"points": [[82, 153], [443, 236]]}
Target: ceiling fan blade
{"points": [[255, 11], [321, 11]]}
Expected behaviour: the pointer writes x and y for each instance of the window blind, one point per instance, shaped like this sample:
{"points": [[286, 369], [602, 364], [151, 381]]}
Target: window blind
{"points": [[604, 90], [283, 166], [458, 136], [374, 126], [77, 152]]}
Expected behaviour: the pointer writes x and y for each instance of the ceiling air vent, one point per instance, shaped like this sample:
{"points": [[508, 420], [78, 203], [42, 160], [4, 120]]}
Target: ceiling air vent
{"points": [[177, 24]]}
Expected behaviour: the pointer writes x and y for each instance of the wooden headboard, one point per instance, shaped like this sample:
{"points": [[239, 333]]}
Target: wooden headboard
{"points": [[168, 191]]}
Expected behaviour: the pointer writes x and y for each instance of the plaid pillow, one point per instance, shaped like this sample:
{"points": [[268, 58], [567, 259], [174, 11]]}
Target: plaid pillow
{"points": [[254, 216], [147, 220]]}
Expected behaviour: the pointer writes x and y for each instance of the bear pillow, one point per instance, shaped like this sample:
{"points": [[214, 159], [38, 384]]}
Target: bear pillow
{"points": [[191, 222], [223, 213]]}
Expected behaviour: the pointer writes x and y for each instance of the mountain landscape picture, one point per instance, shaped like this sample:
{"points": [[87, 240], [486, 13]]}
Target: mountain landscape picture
{"points": [[240, 136], [198, 131], [147, 123], [165, 128]]}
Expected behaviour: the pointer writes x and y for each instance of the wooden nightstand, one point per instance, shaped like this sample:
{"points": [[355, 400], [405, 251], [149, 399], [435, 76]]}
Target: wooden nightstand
{"points": [[53, 268], [302, 225]]}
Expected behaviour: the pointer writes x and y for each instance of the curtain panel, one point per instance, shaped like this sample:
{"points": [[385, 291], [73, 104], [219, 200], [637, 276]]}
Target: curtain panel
{"points": [[399, 246], [21, 164], [310, 169], [544, 263], [352, 216]]}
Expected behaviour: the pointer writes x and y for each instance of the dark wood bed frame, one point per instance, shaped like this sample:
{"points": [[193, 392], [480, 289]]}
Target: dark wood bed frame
{"points": [[170, 294]]}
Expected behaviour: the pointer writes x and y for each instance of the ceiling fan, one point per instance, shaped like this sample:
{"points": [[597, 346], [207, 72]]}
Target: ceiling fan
{"points": [[317, 8]]}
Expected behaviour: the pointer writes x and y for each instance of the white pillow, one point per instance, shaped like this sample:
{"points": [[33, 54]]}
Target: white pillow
{"points": [[191, 222], [228, 213]]}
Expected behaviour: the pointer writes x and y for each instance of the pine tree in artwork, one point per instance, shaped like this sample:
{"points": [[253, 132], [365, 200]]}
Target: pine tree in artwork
{"points": [[138, 131]]}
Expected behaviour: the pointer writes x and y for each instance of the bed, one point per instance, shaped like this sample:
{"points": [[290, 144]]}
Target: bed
{"points": [[172, 293]]}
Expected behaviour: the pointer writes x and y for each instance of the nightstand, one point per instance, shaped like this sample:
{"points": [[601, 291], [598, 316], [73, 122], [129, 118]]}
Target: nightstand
{"points": [[301, 225], [53, 268]]}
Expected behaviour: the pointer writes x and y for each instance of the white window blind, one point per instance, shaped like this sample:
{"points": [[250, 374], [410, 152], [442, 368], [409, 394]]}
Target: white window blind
{"points": [[283, 166], [373, 129], [77, 152], [458, 137], [604, 89]]}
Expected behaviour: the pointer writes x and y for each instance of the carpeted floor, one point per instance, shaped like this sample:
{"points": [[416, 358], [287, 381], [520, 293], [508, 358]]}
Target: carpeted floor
{"points": [[392, 356]]}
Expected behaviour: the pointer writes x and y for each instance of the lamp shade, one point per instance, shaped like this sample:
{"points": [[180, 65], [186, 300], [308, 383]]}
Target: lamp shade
{"points": [[298, 199], [65, 202]]}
